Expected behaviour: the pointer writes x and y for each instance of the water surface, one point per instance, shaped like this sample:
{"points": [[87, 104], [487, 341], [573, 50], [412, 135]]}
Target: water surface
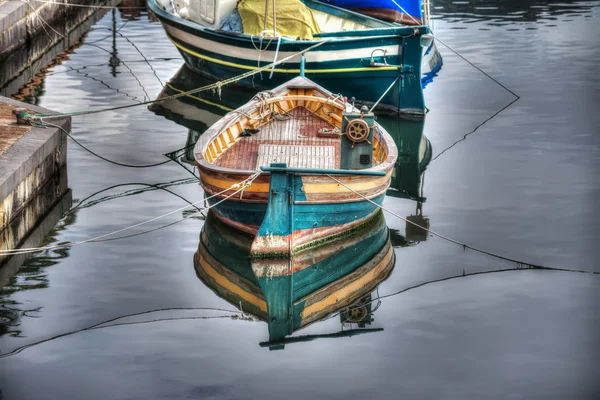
{"points": [[524, 185]]}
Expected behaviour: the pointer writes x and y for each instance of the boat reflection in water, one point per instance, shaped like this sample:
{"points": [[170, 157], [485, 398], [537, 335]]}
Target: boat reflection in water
{"points": [[317, 282], [292, 293], [408, 178]]}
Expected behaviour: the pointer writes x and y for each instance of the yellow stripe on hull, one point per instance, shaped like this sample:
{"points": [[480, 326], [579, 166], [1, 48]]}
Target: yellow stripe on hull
{"points": [[345, 292], [225, 283], [309, 188], [225, 184]]}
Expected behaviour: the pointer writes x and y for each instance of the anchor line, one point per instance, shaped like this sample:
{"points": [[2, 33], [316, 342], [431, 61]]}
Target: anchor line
{"points": [[475, 129], [214, 86], [148, 187], [101, 157], [419, 285], [464, 245], [240, 186]]}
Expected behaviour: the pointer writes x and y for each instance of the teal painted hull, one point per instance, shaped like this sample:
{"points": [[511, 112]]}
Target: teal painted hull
{"points": [[306, 216]]}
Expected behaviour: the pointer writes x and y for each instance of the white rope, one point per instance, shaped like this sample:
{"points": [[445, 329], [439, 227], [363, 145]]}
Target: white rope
{"points": [[405, 12], [213, 86], [240, 186], [276, 52], [464, 245]]}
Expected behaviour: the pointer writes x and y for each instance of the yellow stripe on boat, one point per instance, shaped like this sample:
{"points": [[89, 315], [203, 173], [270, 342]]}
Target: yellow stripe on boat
{"points": [[225, 184], [326, 188], [309, 188], [346, 291], [284, 71], [225, 283]]}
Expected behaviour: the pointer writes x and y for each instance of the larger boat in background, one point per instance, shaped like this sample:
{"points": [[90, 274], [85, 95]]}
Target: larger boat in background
{"points": [[376, 60]]}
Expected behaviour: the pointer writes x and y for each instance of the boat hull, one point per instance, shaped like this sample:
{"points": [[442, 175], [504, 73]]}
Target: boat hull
{"points": [[314, 223]]}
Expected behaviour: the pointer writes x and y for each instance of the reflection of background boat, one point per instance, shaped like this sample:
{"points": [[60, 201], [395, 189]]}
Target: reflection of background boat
{"points": [[414, 155], [200, 110], [408, 178], [323, 280]]}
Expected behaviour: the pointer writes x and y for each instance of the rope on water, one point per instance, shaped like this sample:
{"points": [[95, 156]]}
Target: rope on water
{"points": [[215, 86], [464, 245], [101, 157], [234, 314], [240, 186]]}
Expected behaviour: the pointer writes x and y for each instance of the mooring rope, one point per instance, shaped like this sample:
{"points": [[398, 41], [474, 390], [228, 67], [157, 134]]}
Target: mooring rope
{"points": [[240, 186], [214, 86], [234, 314], [98, 155], [464, 245]]}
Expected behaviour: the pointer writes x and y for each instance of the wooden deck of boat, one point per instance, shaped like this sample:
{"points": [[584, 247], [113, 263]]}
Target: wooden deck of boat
{"points": [[299, 130]]}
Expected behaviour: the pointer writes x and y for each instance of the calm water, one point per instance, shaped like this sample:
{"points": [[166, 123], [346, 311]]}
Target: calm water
{"points": [[525, 184]]}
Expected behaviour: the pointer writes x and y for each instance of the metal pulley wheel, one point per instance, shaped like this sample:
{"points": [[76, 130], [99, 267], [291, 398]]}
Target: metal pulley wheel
{"points": [[357, 130]]}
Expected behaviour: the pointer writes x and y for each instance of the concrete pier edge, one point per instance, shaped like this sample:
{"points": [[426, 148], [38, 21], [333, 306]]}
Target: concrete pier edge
{"points": [[30, 163]]}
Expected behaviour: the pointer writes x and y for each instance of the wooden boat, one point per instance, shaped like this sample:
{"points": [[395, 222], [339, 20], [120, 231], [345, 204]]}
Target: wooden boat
{"points": [[315, 283], [324, 170], [357, 52]]}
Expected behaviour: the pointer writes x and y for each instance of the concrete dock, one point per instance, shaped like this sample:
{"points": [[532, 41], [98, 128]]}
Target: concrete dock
{"points": [[33, 178]]}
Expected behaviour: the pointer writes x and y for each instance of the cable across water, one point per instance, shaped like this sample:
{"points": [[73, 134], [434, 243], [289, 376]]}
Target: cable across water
{"points": [[464, 245], [240, 186]]}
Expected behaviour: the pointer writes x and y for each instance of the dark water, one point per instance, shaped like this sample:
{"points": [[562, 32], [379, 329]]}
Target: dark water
{"points": [[525, 184]]}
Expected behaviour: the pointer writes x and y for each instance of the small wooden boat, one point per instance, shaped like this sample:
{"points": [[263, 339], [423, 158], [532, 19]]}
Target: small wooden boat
{"points": [[314, 284], [355, 51], [325, 167]]}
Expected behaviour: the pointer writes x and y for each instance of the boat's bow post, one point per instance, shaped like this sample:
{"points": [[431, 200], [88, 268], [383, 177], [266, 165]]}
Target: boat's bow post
{"points": [[273, 239], [271, 253]]}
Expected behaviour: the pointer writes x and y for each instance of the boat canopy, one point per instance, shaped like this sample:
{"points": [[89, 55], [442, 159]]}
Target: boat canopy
{"points": [[292, 18]]}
